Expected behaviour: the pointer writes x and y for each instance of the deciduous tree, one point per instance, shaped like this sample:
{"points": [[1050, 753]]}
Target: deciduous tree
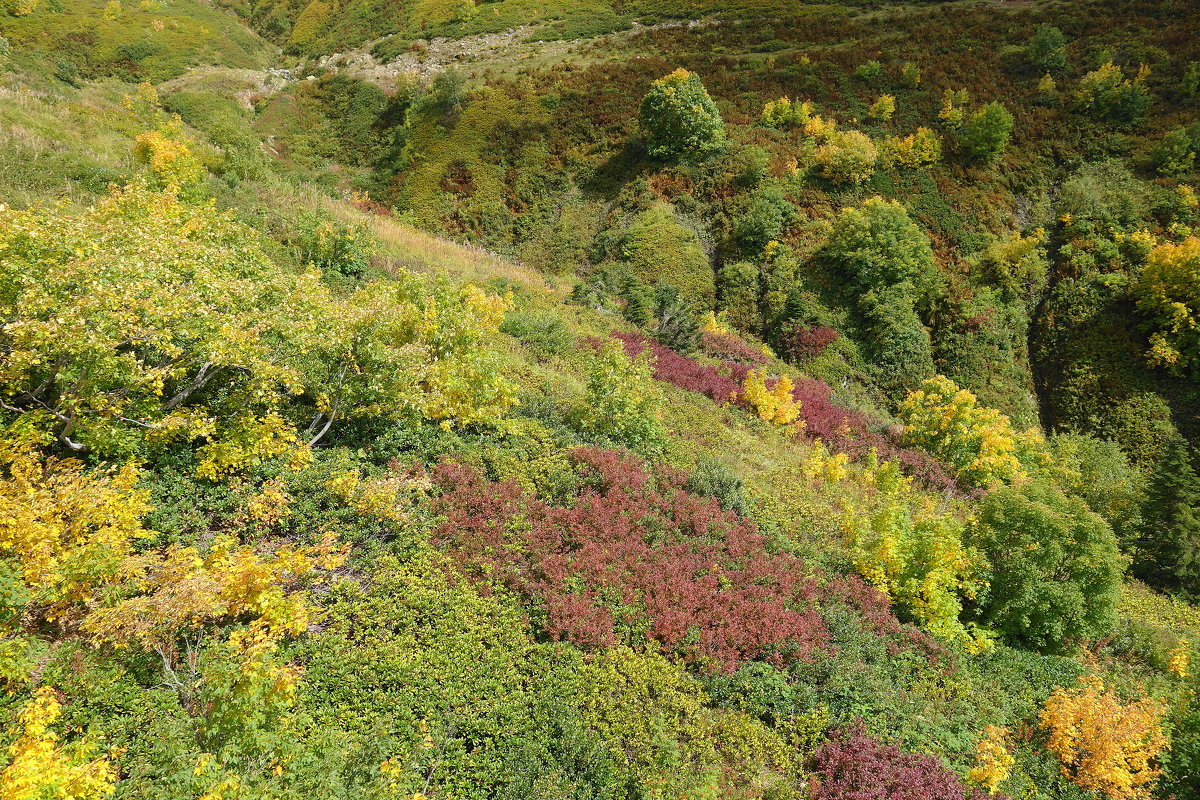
{"points": [[680, 120]]}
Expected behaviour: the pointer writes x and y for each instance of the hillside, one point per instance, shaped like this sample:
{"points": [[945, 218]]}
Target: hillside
{"points": [[626, 400]]}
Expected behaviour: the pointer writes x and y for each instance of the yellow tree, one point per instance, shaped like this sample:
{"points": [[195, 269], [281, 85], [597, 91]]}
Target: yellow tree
{"points": [[245, 602], [1103, 744], [150, 322], [772, 404], [979, 442], [993, 761], [1168, 291], [64, 534]]}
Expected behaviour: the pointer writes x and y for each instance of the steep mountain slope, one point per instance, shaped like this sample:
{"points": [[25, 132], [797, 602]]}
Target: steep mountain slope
{"points": [[449, 422]]}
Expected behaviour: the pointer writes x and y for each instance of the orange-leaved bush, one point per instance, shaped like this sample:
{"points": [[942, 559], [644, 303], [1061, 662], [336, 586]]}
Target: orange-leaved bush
{"points": [[1103, 744]]}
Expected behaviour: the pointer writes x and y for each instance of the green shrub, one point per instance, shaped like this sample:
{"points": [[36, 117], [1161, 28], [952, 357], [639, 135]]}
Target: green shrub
{"points": [[455, 678], [1099, 472], [1176, 154], [738, 285], [657, 247], [985, 135], [657, 719], [898, 344], [622, 403], [1190, 85], [868, 71], [711, 478], [1047, 50], [763, 220], [1106, 94], [542, 332]]}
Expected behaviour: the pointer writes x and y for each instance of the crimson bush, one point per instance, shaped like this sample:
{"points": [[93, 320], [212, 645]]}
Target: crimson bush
{"points": [[803, 343], [731, 348], [841, 429], [854, 766], [637, 558], [681, 371]]}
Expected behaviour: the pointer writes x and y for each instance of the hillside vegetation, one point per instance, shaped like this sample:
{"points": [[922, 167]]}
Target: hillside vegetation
{"points": [[627, 401]]}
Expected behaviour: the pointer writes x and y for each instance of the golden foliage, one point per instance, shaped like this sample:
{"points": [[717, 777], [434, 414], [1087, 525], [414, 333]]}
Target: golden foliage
{"points": [[41, 769], [903, 546], [883, 108], [993, 761], [1179, 660], [114, 322], [1168, 290], [168, 156], [786, 113], [67, 531], [953, 110], [774, 404], [979, 442], [915, 151], [1102, 744]]}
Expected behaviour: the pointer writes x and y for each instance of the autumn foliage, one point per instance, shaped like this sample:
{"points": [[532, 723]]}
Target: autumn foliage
{"points": [[1103, 744], [40, 767], [636, 558], [854, 766]]}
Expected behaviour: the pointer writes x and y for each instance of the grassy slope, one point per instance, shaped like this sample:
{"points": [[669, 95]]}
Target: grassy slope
{"points": [[154, 40]]}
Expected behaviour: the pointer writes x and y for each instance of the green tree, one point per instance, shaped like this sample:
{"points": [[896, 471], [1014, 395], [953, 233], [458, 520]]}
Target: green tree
{"points": [[680, 120], [739, 285], [676, 324], [877, 244], [985, 135], [766, 214], [1106, 94], [1168, 552], [1176, 154], [891, 271], [898, 344], [1047, 50], [1054, 568], [1190, 85]]}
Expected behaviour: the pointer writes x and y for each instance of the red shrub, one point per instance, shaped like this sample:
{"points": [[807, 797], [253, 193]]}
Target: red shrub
{"points": [[681, 371], [731, 348], [854, 766], [803, 343], [636, 558]]}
